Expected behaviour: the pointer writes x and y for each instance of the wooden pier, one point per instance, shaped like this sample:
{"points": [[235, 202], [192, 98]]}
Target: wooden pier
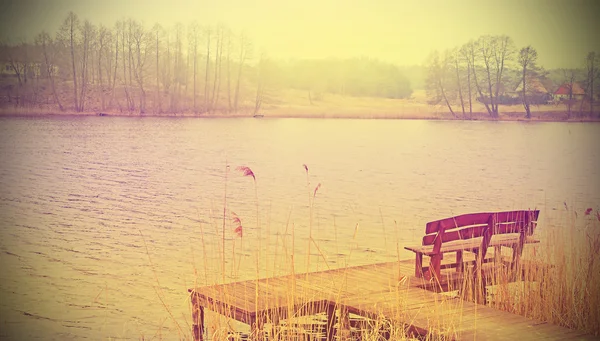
{"points": [[383, 291]]}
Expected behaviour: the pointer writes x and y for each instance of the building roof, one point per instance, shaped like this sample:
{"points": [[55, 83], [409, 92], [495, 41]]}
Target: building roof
{"points": [[533, 85], [564, 89]]}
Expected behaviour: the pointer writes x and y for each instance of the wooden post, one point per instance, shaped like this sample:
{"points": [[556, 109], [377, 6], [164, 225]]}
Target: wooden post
{"points": [[274, 326], [460, 266], [522, 236], [436, 258], [257, 327], [481, 252], [419, 265], [497, 254], [197, 318], [343, 324], [518, 248], [435, 267], [517, 251]]}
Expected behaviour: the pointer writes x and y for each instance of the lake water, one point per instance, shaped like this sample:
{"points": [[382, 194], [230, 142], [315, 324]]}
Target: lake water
{"points": [[102, 217]]}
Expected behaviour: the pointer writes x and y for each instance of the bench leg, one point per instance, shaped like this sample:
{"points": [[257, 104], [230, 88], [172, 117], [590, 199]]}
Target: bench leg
{"points": [[475, 290], [460, 266], [197, 318], [435, 268], [419, 265], [257, 328], [330, 331], [479, 259], [343, 325], [517, 251], [272, 332], [497, 254]]}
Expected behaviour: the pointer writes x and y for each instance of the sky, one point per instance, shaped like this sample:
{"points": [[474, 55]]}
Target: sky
{"points": [[398, 31]]}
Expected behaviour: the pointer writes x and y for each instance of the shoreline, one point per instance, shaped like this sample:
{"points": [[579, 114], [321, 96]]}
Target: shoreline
{"points": [[341, 113]]}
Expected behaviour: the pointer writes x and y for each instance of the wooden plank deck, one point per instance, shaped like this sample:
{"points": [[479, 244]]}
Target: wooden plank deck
{"points": [[373, 291]]}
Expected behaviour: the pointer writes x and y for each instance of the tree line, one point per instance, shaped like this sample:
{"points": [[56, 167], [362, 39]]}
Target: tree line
{"points": [[128, 67], [492, 71], [162, 70]]}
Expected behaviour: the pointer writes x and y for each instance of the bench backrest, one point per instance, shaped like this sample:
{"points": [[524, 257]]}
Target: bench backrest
{"points": [[475, 225]]}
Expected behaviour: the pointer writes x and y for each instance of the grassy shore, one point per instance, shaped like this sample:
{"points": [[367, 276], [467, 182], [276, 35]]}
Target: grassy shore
{"points": [[291, 103]]}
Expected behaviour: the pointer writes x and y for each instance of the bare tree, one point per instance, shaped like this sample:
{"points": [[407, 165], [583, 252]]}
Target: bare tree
{"points": [[103, 41], [87, 33], [48, 50], [20, 60], [141, 40], [193, 39], [494, 52], [228, 58], [217, 75], [570, 77], [472, 56], [116, 65], [185, 74], [169, 74], [593, 75], [437, 75], [464, 52], [129, 74], [178, 71], [16, 62], [125, 61], [167, 69], [244, 46], [207, 70], [220, 66], [486, 52], [457, 68], [158, 31], [259, 84], [68, 35], [527, 60], [503, 52]]}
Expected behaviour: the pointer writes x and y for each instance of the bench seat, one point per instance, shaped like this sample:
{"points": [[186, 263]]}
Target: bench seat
{"points": [[473, 244]]}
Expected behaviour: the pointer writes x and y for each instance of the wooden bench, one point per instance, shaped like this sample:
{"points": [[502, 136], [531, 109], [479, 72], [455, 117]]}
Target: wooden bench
{"points": [[475, 233]]}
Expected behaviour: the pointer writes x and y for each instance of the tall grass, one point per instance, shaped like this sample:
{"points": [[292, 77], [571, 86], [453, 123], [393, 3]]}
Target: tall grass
{"points": [[561, 276], [559, 282]]}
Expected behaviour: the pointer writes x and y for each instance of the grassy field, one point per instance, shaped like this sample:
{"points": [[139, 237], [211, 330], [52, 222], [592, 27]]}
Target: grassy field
{"points": [[293, 103]]}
